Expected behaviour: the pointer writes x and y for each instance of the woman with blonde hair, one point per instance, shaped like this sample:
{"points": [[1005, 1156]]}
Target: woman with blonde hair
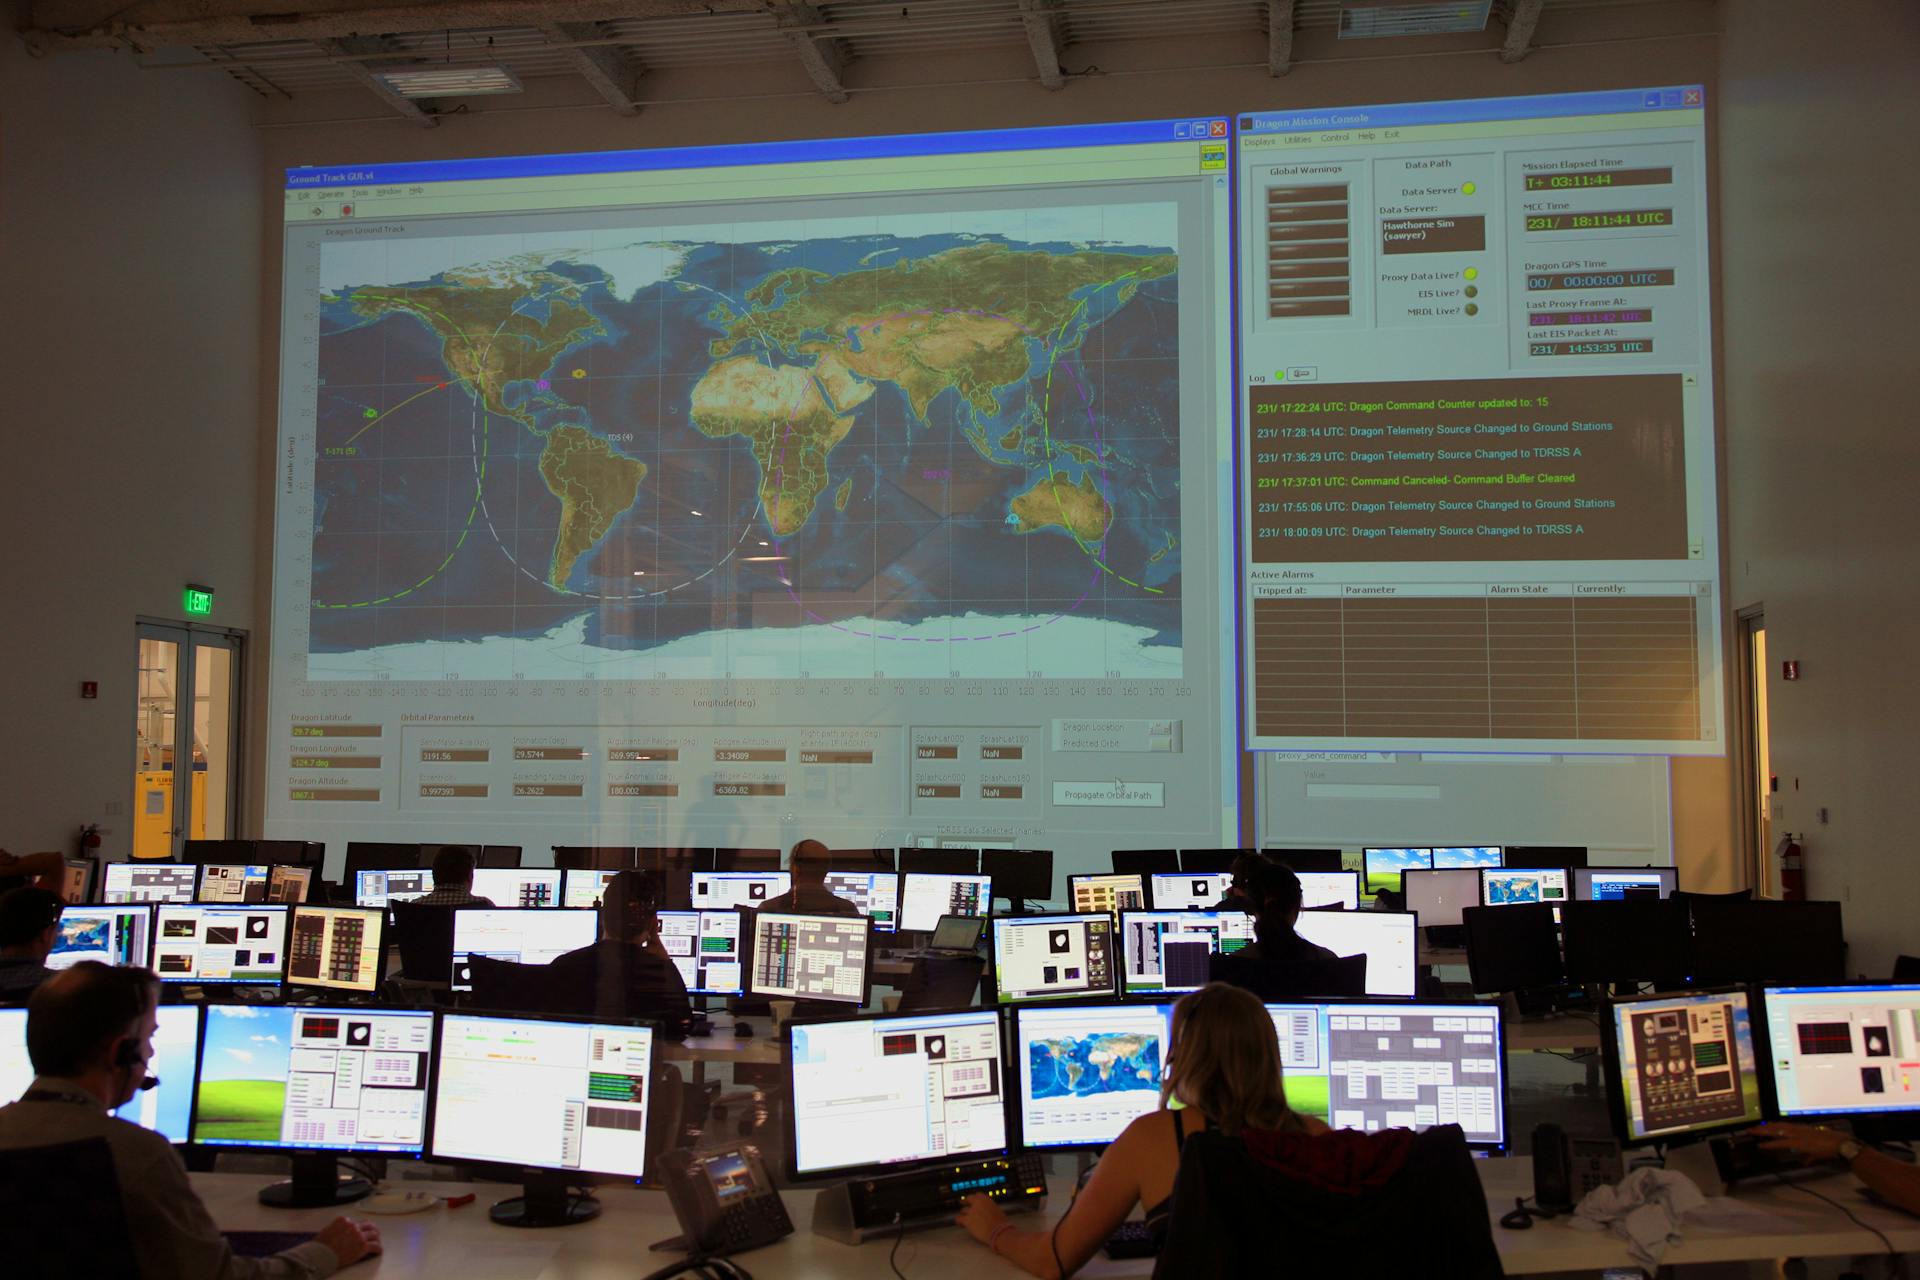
{"points": [[1222, 1072]]}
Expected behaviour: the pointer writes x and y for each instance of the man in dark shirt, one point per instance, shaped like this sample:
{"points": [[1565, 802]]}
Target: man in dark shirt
{"points": [[627, 973], [29, 926], [1239, 894], [453, 880], [808, 864]]}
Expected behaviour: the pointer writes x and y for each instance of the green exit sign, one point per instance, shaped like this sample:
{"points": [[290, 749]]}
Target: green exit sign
{"points": [[198, 600]]}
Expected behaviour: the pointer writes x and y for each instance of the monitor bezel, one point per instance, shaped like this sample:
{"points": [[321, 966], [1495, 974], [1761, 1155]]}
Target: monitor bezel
{"points": [[1153, 898], [752, 950], [740, 916], [200, 882], [144, 962], [1583, 879], [286, 937], [1011, 1038], [1611, 1075], [900, 915], [1566, 885], [106, 874], [899, 887], [1073, 882], [1906, 1117], [1162, 994], [380, 947], [991, 974], [739, 875]]}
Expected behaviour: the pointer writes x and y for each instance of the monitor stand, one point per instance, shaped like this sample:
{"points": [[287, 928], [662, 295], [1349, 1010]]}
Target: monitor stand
{"points": [[545, 1200], [316, 1182]]}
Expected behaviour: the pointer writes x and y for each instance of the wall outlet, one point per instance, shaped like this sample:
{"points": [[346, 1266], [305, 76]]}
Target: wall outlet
{"points": [[114, 808]]}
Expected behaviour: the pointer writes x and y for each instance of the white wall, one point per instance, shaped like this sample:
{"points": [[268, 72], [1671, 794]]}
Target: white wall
{"points": [[1819, 117], [129, 359]]}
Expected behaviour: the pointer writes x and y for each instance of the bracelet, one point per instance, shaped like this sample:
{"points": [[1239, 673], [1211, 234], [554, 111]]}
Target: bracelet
{"points": [[993, 1242]]}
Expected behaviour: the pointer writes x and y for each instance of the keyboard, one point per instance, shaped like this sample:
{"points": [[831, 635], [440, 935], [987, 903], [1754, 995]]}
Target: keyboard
{"points": [[1132, 1240], [264, 1244]]}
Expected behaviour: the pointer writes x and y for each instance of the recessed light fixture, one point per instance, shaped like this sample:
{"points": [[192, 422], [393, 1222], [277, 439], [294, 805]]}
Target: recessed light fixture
{"points": [[442, 81]]}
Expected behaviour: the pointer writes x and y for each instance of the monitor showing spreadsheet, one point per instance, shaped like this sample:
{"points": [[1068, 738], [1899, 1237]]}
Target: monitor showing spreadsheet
{"points": [[705, 947], [149, 882], [337, 947], [803, 957], [875, 893], [1112, 892]]}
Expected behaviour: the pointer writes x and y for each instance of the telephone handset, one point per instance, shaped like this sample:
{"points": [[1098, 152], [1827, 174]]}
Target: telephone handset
{"points": [[725, 1200]]}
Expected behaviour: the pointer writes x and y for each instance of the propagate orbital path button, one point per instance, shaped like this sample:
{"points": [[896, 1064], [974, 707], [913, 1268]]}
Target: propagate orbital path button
{"points": [[1110, 795]]}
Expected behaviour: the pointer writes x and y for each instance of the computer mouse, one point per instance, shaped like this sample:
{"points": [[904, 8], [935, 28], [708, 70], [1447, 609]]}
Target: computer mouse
{"points": [[742, 1030]]}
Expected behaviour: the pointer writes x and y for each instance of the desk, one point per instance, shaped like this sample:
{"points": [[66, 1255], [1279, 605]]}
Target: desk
{"points": [[464, 1243]]}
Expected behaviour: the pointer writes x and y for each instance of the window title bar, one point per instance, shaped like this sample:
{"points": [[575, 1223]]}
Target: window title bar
{"points": [[751, 153], [1687, 97]]}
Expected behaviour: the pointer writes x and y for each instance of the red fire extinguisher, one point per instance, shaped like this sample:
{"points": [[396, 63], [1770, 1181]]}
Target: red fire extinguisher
{"points": [[1793, 875], [90, 840]]}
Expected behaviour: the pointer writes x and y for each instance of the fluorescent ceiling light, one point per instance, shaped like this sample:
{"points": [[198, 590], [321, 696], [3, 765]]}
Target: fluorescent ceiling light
{"points": [[1421, 18], [443, 81]]}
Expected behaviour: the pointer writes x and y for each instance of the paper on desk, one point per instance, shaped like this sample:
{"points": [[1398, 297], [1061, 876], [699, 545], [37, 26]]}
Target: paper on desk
{"points": [[503, 1261]]}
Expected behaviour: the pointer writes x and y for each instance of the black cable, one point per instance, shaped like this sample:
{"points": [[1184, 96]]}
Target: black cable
{"points": [[1891, 1251], [899, 1234]]}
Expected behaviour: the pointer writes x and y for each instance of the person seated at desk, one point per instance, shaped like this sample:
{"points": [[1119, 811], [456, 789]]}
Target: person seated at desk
{"points": [[21, 869], [627, 973], [29, 926], [90, 1037], [1278, 964], [453, 880], [808, 865], [1244, 869], [1223, 1071], [1895, 1181]]}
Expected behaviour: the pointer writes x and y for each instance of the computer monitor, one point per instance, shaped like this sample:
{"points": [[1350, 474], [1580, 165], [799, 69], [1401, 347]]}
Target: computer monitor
{"points": [[1513, 948], [228, 882], [287, 853], [1113, 893], [76, 880], [1299, 860], [518, 886], [672, 859], [746, 859], [893, 1091], [1383, 867], [499, 855], [1019, 875], [1501, 887], [1567, 857], [1626, 940], [1396, 1066], [795, 956], [121, 934], [1187, 891], [1387, 937], [1147, 862], [584, 886], [1454, 857], [1438, 897], [943, 862], [595, 857], [1170, 951], [1336, 889], [737, 888], [1054, 957], [925, 896], [286, 883], [377, 855], [381, 886], [195, 942], [1843, 1050], [519, 935], [876, 893], [706, 947], [870, 860], [1680, 1066], [149, 881], [955, 933], [1790, 943], [165, 1108], [1609, 884], [1086, 1071], [566, 1097], [230, 852], [1215, 860], [338, 948]]}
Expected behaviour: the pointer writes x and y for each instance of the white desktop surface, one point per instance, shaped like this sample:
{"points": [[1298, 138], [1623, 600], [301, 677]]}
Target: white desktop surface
{"points": [[465, 1243]]}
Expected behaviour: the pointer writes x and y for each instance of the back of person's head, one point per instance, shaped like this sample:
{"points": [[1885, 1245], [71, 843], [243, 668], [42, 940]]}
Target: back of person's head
{"points": [[453, 865], [629, 905], [1224, 1059], [808, 863], [1244, 868], [26, 915], [76, 1016], [1276, 895]]}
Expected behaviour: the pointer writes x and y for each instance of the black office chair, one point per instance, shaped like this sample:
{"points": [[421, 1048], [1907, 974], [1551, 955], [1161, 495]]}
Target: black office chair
{"points": [[70, 1194], [424, 935], [506, 987], [940, 983]]}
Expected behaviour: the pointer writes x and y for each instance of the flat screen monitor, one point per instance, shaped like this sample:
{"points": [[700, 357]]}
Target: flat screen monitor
{"points": [[869, 1092], [299, 1077], [925, 896], [738, 888], [1329, 889], [76, 880], [149, 881], [120, 934], [597, 857], [675, 860], [1609, 884], [1454, 857], [518, 935], [1383, 867], [1505, 888], [1791, 943], [1844, 1050], [1086, 1071], [1112, 893], [194, 942], [230, 882], [1308, 859], [1514, 948], [1187, 891], [1054, 957], [377, 855], [1626, 940], [706, 948], [861, 860], [544, 1093], [746, 859], [484, 855], [1438, 897], [955, 933], [379, 887], [1019, 875], [583, 886], [166, 1108], [518, 886], [287, 883], [945, 862], [1396, 1066], [875, 893], [340, 948], [288, 853], [1565, 856], [1680, 1066], [230, 852], [1387, 937], [802, 957], [1170, 951], [1211, 859], [1146, 862]]}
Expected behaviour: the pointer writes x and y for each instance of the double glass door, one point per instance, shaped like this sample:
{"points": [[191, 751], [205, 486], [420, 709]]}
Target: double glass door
{"points": [[186, 735]]}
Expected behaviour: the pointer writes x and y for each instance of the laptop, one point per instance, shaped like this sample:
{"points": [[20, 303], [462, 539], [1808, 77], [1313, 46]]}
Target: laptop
{"points": [[951, 936]]}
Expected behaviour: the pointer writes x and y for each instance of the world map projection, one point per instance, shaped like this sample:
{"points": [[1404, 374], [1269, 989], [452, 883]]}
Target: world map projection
{"points": [[669, 454], [1081, 1066]]}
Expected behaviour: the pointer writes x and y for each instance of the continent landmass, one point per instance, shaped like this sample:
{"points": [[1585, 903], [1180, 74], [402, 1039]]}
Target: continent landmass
{"points": [[1055, 502], [594, 485]]}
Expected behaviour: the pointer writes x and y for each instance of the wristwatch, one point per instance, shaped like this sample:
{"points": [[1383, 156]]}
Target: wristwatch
{"points": [[1850, 1150]]}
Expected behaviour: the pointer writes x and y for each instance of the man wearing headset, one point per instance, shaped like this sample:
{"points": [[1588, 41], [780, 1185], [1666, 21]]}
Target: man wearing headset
{"points": [[90, 1036]]}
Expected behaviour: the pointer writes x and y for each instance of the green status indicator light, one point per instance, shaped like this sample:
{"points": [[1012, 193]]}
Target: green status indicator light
{"points": [[198, 600]]}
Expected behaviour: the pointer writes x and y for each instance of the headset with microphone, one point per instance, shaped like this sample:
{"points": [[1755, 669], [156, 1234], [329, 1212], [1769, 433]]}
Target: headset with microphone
{"points": [[129, 1056]]}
